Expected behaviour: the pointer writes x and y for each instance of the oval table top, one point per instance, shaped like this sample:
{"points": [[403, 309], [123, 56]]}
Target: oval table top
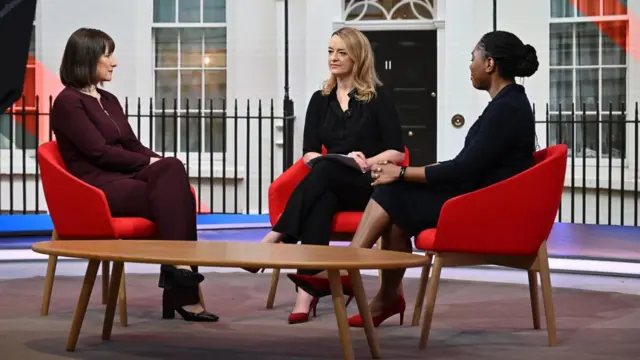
{"points": [[231, 254]]}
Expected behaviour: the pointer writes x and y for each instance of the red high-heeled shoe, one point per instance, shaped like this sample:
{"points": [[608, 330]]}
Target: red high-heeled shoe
{"points": [[398, 307], [319, 287], [297, 318]]}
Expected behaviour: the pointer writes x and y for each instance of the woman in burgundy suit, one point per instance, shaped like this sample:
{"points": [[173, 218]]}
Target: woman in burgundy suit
{"points": [[99, 147]]}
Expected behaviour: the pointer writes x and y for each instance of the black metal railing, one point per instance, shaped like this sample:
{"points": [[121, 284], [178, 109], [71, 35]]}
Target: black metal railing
{"points": [[233, 151], [601, 185]]}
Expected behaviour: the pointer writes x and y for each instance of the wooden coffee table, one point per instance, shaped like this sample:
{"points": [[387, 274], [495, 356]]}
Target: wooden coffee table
{"points": [[230, 254]]}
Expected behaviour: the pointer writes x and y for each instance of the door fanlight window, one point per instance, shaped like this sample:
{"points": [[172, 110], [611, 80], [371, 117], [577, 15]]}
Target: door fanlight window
{"points": [[362, 10]]}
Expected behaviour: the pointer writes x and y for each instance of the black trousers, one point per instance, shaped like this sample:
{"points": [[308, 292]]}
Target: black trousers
{"points": [[329, 187], [161, 193]]}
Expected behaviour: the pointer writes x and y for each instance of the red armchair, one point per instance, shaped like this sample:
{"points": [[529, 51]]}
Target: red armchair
{"points": [[80, 211], [344, 223], [505, 224]]}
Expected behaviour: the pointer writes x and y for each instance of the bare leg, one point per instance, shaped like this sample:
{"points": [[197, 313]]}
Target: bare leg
{"points": [[303, 302], [396, 239], [273, 237], [375, 221]]}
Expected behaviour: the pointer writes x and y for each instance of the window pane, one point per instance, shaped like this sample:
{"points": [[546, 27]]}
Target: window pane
{"points": [[164, 11], [191, 48], [613, 135], [166, 88], [586, 142], [561, 44], [165, 132], [588, 8], [190, 88], [193, 134], [214, 11], [614, 42], [587, 43], [166, 47], [614, 7], [213, 139], [614, 89], [587, 94], [215, 47], [561, 90], [562, 9], [188, 10], [215, 87]]}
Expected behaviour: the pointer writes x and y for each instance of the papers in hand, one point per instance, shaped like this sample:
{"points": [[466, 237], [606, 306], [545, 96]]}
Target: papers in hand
{"points": [[342, 159]]}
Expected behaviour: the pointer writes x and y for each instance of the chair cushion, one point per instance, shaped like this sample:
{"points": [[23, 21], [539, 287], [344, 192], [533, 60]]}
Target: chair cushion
{"points": [[425, 240], [346, 221], [133, 227]]}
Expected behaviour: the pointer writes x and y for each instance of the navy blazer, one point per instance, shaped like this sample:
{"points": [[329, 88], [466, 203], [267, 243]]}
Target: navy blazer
{"points": [[499, 145], [96, 142]]}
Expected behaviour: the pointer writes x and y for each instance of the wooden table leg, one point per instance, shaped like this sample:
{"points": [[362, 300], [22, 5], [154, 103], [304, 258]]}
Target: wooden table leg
{"points": [[112, 300], [341, 314], [365, 313], [83, 302]]}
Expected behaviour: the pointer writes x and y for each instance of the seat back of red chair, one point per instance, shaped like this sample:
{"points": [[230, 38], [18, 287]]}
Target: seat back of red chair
{"points": [[511, 217], [77, 209]]}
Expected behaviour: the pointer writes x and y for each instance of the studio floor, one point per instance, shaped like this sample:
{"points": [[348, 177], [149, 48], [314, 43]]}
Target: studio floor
{"points": [[481, 312]]}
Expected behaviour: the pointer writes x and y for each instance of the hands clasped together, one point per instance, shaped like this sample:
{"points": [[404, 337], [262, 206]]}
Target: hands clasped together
{"points": [[382, 172]]}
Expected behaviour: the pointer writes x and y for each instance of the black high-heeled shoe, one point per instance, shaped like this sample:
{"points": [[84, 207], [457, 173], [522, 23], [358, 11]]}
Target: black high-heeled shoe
{"points": [[170, 275], [203, 316], [170, 307]]}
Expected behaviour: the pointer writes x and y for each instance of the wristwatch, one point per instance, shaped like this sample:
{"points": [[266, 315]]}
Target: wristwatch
{"points": [[402, 170]]}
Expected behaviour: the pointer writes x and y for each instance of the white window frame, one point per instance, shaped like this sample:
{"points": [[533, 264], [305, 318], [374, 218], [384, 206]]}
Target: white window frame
{"points": [[205, 157], [575, 19]]}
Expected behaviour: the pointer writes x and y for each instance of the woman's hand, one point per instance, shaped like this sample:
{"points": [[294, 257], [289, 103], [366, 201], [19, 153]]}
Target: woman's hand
{"points": [[360, 159], [384, 172]]}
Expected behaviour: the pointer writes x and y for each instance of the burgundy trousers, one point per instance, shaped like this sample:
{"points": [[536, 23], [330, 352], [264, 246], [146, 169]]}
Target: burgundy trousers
{"points": [[161, 193]]}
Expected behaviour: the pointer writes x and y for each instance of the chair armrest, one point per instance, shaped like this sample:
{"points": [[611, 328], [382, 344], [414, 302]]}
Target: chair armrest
{"points": [[281, 188]]}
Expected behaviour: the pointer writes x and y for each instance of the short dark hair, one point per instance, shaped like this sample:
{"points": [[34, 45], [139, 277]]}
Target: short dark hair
{"points": [[512, 57], [81, 54]]}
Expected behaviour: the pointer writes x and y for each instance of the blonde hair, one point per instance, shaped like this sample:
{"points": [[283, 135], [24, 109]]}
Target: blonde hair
{"points": [[359, 50]]}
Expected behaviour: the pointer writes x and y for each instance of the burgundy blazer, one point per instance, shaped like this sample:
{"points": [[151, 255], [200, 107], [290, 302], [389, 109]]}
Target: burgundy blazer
{"points": [[96, 142]]}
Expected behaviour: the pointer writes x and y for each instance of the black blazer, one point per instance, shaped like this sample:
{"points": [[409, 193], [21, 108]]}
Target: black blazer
{"points": [[499, 145], [96, 142], [370, 127]]}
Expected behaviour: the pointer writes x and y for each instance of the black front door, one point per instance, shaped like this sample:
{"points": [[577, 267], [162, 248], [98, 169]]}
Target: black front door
{"points": [[406, 62]]}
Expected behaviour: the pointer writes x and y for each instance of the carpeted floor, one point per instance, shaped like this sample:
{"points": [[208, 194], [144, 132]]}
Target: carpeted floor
{"points": [[472, 321]]}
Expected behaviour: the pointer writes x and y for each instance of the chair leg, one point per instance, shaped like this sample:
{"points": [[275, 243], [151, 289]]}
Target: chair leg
{"points": [[275, 276], [48, 284], [432, 292], [533, 294], [122, 302], [422, 288], [201, 297], [105, 281], [547, 300]]}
